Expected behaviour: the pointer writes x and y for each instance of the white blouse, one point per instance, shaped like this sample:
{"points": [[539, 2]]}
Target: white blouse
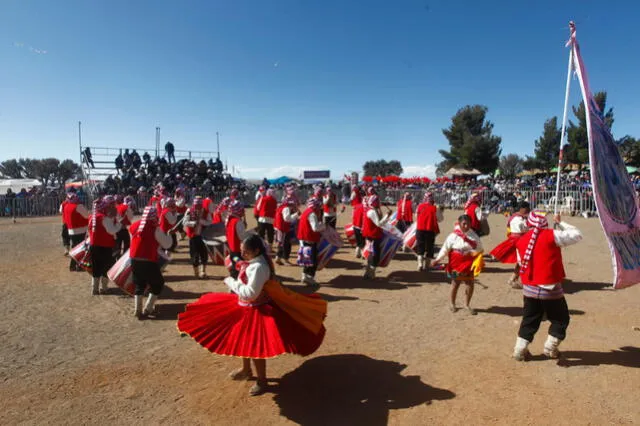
{"points": [[258, 273], [455, 242]]}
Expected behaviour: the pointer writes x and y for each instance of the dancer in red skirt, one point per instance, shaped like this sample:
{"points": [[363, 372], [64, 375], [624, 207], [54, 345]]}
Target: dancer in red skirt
{"points": [[464, 249], [76, 218], [427, 218], [505, 252], [181, 209], [252, 322]]}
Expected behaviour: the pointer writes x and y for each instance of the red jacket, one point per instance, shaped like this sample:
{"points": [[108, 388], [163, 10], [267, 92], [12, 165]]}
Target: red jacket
{"points": [[233, 240], [281, 224], [405, 210], [369, 229], [191, 231], [268, 207], [471, 212], [144, 245], [545, 264], [122, 212], [165, 225], [427, 218], [305, 233], [155, 201], [357, 217], [74, 220], [100, 237]]}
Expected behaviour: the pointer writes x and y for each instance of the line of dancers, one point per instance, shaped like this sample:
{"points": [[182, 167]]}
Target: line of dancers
{"points": [[260, 318]]}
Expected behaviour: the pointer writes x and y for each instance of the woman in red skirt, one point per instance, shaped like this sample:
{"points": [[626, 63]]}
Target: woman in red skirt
{"points": [[464, 250], [505, 252], [253, 321]]}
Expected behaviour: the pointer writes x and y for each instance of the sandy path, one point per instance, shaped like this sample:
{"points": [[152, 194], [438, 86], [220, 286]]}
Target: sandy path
{"points": [[393, 352]]}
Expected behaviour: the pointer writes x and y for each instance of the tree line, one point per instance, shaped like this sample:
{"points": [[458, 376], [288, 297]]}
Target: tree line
{"points": [[473, 144], [49, 171]]}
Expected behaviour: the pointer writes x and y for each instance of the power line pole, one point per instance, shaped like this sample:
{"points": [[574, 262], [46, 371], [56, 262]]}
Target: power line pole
{"points": [[218, 142], [157, 142]]}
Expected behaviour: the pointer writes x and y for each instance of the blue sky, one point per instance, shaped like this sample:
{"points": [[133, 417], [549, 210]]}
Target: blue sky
{"points": [[296, 84]]}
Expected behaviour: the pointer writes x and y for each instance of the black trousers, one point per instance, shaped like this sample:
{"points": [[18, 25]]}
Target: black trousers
{"points": [[284, 247], [557, 313], [123, 241], [198, 251], [402, 225], [359, 238], [75, 240], [101, 260], [266, 228], [235, 258], [425, 241], [147, 273], [66, 240], [311, 270], [374, 260], [331, 221], [174, 241]]}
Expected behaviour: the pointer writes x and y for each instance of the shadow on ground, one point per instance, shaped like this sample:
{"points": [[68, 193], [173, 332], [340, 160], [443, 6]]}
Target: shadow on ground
{"points": [[350, 390]]}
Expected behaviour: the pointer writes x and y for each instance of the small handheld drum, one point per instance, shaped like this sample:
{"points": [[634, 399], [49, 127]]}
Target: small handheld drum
{"points": [[409, 237], [121, 273], [328, 246], [217, 249], [82, 255], [391, 242], [351, 234]]}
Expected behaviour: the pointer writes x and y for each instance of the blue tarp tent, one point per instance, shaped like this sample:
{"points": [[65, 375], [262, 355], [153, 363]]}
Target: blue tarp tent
{"points": [[280, 181]]}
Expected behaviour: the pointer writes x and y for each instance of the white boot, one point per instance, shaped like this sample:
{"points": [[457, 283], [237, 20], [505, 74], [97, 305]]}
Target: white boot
{"points": [[521, 351], [66, 250], [137, 302], [203, 271], [551, 347], [309, 280], [358, 253], [95, 286], [426, 265], [420, 263], [104, 283], [150, 305]]}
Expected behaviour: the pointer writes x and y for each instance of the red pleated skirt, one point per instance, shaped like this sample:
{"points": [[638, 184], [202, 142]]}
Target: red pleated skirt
{"points": [[505, 252], [224, 327]]}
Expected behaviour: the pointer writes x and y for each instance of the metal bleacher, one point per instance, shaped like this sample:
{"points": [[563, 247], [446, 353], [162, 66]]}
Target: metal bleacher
{"points": [[104, 161]]}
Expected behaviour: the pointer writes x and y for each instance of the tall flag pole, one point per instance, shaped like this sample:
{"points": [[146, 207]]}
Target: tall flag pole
{"points": [[564, 124], [613, 192]]}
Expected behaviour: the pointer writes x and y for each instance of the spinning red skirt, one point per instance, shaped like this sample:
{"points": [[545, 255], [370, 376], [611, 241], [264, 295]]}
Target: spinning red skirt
{"points": [[224, 327], [505, 252]]}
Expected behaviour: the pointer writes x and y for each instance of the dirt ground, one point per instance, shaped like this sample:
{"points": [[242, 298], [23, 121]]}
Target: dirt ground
{"points": [[393, 353]]}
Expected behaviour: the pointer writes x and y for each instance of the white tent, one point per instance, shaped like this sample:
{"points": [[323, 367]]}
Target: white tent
{"points": [[462, 172], [17, 184]]}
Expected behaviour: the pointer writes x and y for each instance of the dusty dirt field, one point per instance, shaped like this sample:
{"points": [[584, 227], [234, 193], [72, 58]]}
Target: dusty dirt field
{"points": [[393, 352]]}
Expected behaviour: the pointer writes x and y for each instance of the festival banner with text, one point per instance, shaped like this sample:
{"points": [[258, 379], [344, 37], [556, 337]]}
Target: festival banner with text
{"points": [[613, 192]]}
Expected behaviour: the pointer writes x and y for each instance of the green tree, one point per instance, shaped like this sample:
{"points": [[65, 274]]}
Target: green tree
{"points": [[472, 142], [577, 149], [510, 166], [46, 170], [29, 167], [629, 148], [67, 169], [382, 168], [11, 169], [547, 146]]}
